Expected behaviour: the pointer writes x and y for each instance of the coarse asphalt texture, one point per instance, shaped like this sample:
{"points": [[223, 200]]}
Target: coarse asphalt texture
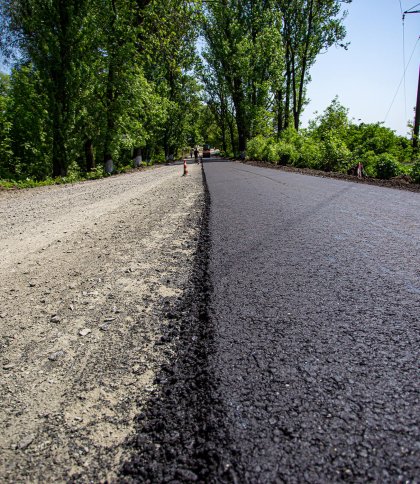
{"points": [[296, 347], [316, 315]]}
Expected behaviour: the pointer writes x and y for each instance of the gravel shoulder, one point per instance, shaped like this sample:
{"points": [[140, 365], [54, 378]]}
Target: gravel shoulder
{"points": [[89, 274]]}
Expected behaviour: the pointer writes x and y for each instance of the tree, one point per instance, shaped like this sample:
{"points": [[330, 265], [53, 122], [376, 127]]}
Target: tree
{"points": [[48, 33], [308, 28], [261, 53], [6, 153], [171, 30]]}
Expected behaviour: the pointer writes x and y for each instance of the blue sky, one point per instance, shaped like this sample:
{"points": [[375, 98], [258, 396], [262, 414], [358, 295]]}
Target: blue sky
{"points": [[366, 76]]}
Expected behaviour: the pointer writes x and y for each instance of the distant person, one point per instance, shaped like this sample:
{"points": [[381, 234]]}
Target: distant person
{"points": [[359, 170], [191, 153], [196, 155]]}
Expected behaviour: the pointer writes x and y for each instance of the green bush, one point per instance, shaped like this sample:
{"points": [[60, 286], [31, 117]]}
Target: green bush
{"points": [[310, 154], [256, 148], [287, 153], [415, 171], [369, 161], [335, 154], [96, 173], [386, 167], [271, 152]]}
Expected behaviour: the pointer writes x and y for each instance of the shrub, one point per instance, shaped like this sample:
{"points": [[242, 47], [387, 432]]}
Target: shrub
{"points": [[335, 154], [310, 154], [386, 166], [415, 171], [256, 148], [369, 161], [271, 152], [287, 153]]}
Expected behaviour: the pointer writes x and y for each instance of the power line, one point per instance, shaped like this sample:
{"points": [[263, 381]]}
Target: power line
{"points": [[404, 69], [410, 10], [399, 85]]}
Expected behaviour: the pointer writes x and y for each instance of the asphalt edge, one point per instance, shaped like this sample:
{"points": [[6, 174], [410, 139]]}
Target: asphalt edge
{"points": [[181, 435]]}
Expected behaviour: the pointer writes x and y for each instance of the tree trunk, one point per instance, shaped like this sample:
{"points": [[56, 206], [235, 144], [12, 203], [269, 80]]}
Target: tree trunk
{"points": [[60, 73], [240, 115], [90, 159], [280, 118], [110, 123], [288, 85], [59, 155], [231, 132], [137, 156], [304, 66]]}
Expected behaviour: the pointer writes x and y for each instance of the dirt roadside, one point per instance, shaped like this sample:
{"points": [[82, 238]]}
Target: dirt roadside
{"points": [[89, 274]]}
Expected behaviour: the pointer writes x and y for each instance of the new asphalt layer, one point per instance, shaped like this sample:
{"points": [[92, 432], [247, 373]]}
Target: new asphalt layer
{"points": [[316, 313]]}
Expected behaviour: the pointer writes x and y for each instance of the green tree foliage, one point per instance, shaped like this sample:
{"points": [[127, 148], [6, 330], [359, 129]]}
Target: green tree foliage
{"points": [[31, 129], [243, 54], [309, 27], [259, 55], [6, 152], [95, 81]]}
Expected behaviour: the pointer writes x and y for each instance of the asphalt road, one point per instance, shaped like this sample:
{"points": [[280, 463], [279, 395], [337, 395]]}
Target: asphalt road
{"points": [[316, 310]]}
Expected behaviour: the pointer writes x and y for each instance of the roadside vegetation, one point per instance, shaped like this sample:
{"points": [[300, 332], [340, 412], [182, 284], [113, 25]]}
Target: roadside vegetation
{"points": [[95, 86], [99, 86], [334, 143]]}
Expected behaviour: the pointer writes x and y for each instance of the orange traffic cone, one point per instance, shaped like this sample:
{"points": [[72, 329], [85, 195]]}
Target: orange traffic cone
{"points": [[185, 168]]}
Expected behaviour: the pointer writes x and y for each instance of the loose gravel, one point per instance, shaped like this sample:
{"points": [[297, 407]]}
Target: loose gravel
{"points": [[89, 276]]}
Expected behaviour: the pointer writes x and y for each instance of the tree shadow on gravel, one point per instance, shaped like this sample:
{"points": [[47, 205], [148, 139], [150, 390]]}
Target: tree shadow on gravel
{"points": [[181, 435]]}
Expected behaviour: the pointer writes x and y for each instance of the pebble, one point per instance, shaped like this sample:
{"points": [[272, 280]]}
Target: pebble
{"points": [[85, 331], [8, 366], [56, 355], [186, 475], [26, 442], [55, 318]]}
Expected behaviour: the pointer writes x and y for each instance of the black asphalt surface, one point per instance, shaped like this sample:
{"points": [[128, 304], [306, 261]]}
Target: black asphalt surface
{"points": [[315, 315]]}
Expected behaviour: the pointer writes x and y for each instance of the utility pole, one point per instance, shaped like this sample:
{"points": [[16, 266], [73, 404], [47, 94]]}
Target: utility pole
{"points": [[417, 120], [417, 115]]}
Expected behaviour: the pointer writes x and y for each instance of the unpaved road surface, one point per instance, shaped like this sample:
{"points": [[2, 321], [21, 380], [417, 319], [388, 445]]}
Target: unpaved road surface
{"points": [[89, 274], [316, 313]]}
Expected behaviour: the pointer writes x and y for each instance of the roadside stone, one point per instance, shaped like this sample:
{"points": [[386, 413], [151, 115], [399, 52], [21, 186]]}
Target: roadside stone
{"points": [[26, 442], [85, 331], [186, 475], [55, 356]]}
